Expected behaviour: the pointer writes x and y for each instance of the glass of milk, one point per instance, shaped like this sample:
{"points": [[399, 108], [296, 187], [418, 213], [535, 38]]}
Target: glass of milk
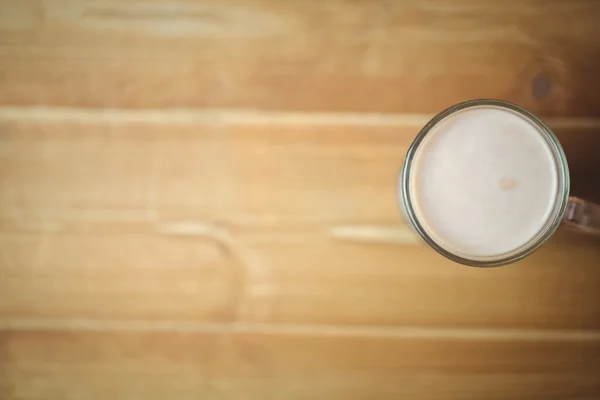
{"points": [[486, 183]]}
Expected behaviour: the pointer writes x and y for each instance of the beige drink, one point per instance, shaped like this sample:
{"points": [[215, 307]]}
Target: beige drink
{"points": [[484, 182]]}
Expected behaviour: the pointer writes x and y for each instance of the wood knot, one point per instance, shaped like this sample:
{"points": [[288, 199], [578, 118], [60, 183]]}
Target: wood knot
{"points": [[541, 86]]}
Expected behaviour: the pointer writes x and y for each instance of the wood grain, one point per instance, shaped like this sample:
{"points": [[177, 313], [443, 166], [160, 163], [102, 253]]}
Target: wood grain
{"points": [[236, 221], [339, 55], [198, 200], [133, 365]]}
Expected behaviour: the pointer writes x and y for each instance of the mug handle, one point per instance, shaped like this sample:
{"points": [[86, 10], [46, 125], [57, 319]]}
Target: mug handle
{"points": [[583, 215]]}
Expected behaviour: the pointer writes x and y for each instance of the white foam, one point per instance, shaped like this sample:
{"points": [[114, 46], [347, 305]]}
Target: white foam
{"points": [[483, 182]]}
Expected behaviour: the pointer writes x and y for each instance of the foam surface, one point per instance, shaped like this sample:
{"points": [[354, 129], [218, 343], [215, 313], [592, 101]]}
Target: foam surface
{"points": [[483, 182]]}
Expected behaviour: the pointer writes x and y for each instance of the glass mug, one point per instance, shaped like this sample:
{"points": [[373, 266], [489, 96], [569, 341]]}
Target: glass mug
{"points": [[503, 120]]}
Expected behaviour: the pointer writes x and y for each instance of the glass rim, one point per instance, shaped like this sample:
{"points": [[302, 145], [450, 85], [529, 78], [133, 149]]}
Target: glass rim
{"points": [[558, 211]]}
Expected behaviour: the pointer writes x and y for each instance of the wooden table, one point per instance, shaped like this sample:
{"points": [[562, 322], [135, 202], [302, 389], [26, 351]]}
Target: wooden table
{"points": [[197, 201]]}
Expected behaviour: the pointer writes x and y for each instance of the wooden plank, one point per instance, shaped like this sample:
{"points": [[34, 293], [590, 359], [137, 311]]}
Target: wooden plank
{"points": [[286, 276], [349, 282], [140, 365], [104, 170], [180, 219], [341, 55], [214, 171], [116, 276], [266, 169]]}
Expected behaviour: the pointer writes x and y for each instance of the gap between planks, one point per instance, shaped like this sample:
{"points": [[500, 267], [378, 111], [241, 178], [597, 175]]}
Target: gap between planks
{"points": [[398, 332], [246, 116]]}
